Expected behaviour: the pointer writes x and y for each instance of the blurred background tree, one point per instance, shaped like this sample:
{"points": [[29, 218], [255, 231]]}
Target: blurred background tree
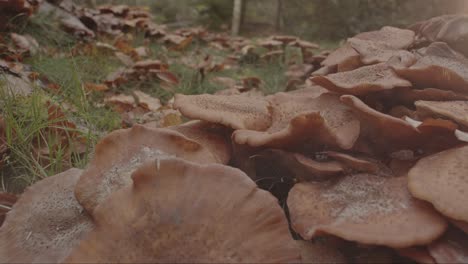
{"points": [[320, 20]]}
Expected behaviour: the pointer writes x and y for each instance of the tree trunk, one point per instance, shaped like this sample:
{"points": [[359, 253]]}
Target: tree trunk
{"points": [[236, 17], [279, 8]]}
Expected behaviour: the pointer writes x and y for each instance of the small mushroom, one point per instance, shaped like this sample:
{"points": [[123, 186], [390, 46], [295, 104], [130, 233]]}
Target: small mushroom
{"points": [[362, 81], [366, 208], [118, 154], [441, 180], [235, 111], [221, 217], [46, 222], [354, 163]]}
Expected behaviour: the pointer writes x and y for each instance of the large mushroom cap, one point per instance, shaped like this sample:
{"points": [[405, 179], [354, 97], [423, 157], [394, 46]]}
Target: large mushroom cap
{"points": [[236, 111], [440, 67], [372, 52], [46, 223], [384, 131], [441, 179], [298, 118], [366, 208], [122, 151], [362, 81], [180, 211]]}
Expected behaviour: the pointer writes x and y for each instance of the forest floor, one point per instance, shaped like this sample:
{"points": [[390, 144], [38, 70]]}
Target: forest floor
{"points": [[63, 89]]}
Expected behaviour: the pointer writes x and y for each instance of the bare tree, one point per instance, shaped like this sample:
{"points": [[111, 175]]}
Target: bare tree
{"points": [[236, 17]]}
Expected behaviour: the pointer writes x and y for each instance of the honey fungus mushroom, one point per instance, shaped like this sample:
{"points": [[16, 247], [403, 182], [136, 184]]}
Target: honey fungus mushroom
{"points": [[221, 217], [236, 111], [46, 222], [122, 151], [366, 208], [300, 118], [441, 179]]}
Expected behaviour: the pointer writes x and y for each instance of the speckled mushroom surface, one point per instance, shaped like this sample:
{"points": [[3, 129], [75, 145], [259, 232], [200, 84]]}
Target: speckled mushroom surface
{"points": [[299, 118], [46, 223], [442, 179], [236, 111], [180, 211], [366, 208], [118, 154], [362, 81]]}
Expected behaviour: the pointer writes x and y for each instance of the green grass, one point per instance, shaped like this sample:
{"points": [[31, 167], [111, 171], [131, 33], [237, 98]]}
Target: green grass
{"points": [[26, 118]]}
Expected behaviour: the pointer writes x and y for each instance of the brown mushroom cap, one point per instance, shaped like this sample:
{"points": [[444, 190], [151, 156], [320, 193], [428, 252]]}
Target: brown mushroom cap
{"points": [[455, 110], [441, 179], [212, 136], [221, 217], [236, 111], [393, 37], [122, 151], [46, 223], [345, 58], [372, 52], [451, 248], [440, 67], [298, 118], [366, 208], [384, 131], [362, 81]]}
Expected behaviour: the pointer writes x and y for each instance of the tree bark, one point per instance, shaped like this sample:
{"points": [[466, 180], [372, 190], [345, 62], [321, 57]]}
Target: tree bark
{"points": [[279, 8], [236, 17]]}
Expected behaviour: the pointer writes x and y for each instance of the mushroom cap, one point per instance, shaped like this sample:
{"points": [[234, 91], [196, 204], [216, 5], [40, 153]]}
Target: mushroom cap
{"points": [[212, 136], [441, 179], [298, 118], [372, 52], [386, 132], [366, 208], [122, 151], [345, 58], [451, 248], [455, 110], [236, 111], [46, 222], [440, 67], [150, 221], [362, 81], [395, 38]]}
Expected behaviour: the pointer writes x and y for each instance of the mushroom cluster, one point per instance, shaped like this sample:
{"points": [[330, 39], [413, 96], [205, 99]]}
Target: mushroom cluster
{"points": [[368, 163]]}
